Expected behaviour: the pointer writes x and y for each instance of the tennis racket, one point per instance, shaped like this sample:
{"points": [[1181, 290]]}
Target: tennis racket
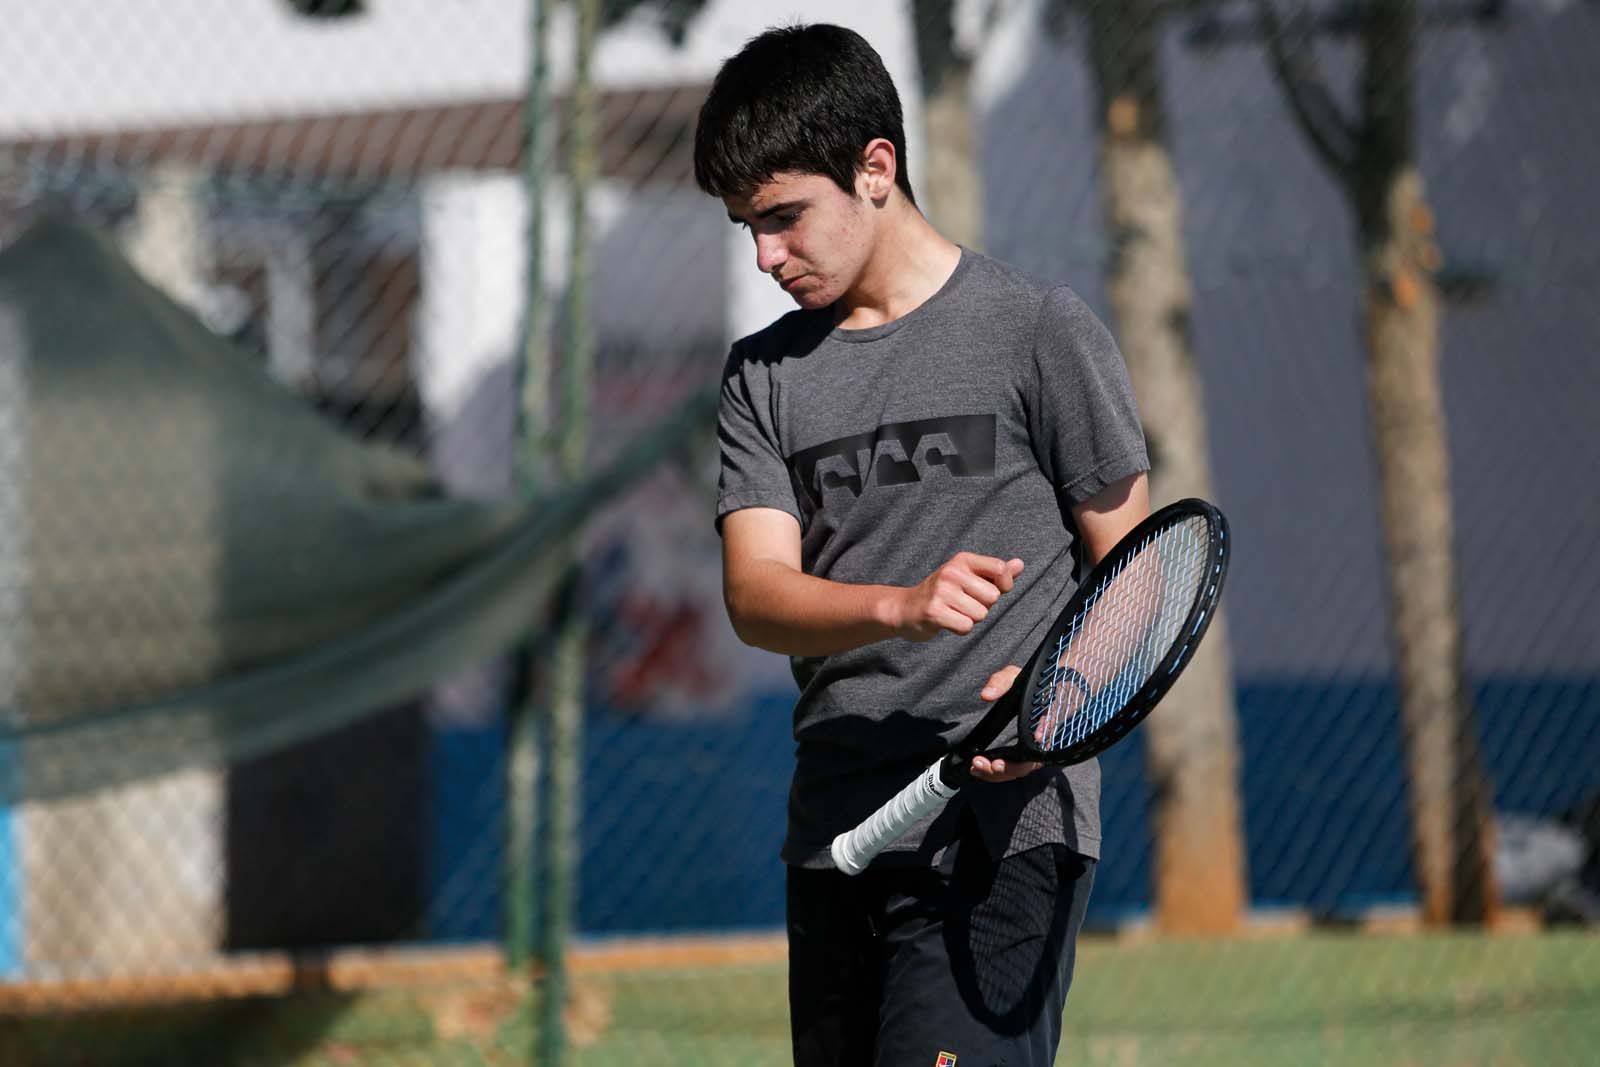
{"points": [[1112, 653]]}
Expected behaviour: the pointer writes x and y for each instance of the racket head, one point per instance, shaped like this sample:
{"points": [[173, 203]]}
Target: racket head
{"points": [[1123, 638]]}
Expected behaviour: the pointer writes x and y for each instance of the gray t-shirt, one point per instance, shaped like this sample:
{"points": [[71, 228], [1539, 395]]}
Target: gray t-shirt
{"points": [[969, 424]]}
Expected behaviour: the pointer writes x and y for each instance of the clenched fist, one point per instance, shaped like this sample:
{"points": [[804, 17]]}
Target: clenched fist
{"points": [[956, 597]]}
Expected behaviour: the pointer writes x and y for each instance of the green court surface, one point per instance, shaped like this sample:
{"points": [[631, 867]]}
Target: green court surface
{"points": [[1311, 999]]}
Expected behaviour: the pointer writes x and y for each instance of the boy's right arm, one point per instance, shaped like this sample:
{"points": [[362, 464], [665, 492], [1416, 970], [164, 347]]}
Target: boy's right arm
{"points": [[774, 605]]}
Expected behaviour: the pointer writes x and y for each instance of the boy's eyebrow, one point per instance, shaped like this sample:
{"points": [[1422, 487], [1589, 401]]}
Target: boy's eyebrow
{"points": [[773, 210]]}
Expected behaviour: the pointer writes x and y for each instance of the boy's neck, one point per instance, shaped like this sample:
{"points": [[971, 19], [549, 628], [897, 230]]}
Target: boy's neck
{"points": [[910, 262]]}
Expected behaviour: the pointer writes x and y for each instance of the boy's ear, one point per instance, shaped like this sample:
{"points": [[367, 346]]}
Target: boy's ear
{"points": [[876, 177]]}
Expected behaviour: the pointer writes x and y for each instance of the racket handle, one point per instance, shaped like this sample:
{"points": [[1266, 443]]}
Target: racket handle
{"points": [[854, 849]]}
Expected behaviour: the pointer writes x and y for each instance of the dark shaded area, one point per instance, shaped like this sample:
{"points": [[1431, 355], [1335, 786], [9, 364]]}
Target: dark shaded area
{"points": [[1587, 819], [325, 839], [1014, 937], [328, 9], [258, 1030]]}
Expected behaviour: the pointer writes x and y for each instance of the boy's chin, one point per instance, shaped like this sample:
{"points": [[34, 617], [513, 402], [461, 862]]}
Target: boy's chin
{"points": [[810, 300]]}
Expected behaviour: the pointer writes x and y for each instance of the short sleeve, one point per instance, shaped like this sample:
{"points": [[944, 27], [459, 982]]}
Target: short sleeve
{"points": [[753, 473], [1085, 421]]}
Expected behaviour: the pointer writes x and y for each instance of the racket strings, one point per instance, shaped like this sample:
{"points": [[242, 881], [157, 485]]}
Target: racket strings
{"points": [[1132, 655], [1055, 691], [1141, 629], [1114, 645], [1183, 567], [1104, 650], [1054, 696]]}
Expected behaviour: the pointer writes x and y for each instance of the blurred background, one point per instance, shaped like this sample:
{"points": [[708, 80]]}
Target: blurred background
{"points": [[366, 694]]}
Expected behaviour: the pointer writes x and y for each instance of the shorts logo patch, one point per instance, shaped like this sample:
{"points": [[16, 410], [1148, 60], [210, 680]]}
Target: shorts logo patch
{"points": [[946, 1059]]}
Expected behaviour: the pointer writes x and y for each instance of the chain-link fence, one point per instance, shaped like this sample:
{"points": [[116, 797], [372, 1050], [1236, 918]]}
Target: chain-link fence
{"points": [[288, 459]]}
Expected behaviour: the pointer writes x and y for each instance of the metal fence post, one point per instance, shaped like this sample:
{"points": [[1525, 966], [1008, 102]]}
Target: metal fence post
{"points": [[521, 910], [563, 794]]}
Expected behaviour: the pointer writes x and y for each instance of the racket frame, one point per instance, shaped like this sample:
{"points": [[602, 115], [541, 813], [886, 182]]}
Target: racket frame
{"points": [[853, 849], [1165, 674]]}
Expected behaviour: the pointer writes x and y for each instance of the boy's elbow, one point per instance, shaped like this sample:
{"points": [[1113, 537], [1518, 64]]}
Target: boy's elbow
{"points": [[744, 627], [752, 627], [741, 629], [752, 594]]}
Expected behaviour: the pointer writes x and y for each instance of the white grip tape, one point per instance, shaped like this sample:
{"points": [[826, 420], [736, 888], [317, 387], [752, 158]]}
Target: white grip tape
{"points": [[854, 849]]}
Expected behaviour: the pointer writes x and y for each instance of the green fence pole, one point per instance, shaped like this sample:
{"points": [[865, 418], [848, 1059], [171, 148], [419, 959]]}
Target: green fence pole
{"points": [[563, 779], [522, 765]]}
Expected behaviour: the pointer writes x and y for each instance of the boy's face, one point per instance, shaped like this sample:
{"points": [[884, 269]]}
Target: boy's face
{"points": [[811, 237]]}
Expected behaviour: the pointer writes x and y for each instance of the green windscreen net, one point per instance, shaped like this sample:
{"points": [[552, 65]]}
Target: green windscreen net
{"points": [[195, 566]]}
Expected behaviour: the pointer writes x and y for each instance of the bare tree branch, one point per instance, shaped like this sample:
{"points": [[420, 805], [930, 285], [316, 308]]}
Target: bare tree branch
{"points": [[1332, 135], [934, 28], [672, 17]]}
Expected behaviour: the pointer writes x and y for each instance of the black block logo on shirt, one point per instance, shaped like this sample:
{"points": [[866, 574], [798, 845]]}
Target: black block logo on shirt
{"points": [[896, 453]]}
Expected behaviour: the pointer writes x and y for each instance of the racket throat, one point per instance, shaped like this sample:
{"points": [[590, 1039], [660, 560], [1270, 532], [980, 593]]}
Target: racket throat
{"points": [[955, 770]]}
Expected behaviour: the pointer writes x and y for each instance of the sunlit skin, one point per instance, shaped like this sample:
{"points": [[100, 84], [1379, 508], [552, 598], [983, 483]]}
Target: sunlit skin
{"points": [[871, 256]]}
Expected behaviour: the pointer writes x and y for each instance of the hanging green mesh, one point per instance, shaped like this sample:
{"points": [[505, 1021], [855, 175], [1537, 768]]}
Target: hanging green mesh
{"points": [[196, 567]]}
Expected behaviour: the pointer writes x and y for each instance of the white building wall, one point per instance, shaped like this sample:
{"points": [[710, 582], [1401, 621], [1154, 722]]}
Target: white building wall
{"points": [[138, 62]]}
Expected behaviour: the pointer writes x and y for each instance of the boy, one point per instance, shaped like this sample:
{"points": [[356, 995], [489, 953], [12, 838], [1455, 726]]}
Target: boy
{"points": [[914, 463]]}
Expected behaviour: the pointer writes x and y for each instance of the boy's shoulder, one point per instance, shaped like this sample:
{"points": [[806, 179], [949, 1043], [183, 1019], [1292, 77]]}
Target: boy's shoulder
{"points": [[789, 335], [1053, 306], [1000, 280]]}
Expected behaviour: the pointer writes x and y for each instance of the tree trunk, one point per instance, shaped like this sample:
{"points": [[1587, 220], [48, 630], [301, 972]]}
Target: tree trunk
{"points": [[1448, 797], [1192, 742], [1452, 838], [952, 188]]}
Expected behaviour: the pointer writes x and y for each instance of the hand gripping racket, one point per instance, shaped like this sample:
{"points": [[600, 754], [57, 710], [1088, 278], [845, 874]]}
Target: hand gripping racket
{"points": [[1112, 653]]}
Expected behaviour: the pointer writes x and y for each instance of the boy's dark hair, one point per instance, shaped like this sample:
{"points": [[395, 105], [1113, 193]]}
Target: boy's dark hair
{"points": [[802, 99]]}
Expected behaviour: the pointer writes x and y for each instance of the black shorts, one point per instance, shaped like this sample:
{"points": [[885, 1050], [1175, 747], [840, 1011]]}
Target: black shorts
{"points": [[970, 961]]}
